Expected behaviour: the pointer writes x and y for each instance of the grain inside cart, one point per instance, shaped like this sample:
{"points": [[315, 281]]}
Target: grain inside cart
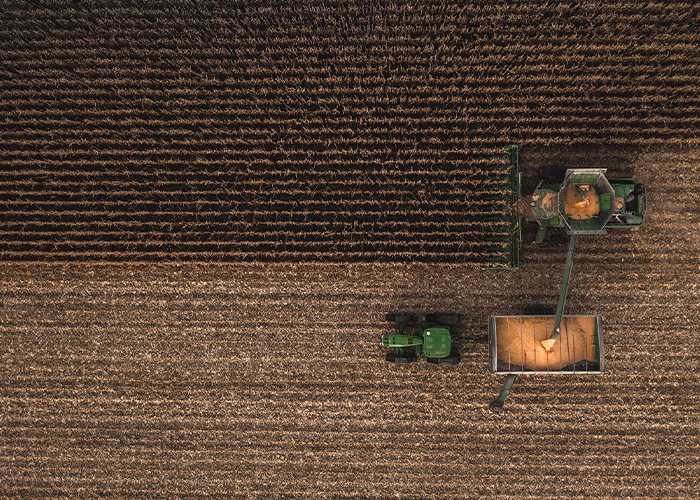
{"points": [[515, 347]]}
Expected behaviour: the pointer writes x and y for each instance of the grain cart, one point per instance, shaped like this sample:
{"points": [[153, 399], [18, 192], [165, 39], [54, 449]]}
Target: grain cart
{"points": [[585, 203], [515, 347], [433, 335]]}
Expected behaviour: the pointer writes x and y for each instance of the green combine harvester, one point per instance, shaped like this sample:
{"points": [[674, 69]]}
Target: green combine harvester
{"points": [[585, 202]]}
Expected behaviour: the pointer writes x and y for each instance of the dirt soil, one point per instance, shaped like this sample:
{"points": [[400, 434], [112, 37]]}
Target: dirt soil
{"points": [[256, 380], [277, 134]]}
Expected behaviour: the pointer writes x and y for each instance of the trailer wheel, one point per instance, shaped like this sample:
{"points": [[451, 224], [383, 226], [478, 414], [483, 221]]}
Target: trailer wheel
{"points": [[538, 310]]}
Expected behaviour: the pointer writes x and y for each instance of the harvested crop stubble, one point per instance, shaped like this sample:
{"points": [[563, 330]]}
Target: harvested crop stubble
{"points": [[339, 131], [252, 380]]}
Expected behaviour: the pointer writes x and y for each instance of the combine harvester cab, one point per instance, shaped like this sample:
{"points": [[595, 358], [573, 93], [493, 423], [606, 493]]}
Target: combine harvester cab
{"points": [[630, 204]]}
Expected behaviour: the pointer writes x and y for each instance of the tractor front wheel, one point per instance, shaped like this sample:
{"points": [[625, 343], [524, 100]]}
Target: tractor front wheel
{"points": [[400, 360]]}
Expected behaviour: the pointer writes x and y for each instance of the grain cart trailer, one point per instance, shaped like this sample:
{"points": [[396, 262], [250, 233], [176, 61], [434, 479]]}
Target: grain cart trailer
{"points": [[515, 347]]}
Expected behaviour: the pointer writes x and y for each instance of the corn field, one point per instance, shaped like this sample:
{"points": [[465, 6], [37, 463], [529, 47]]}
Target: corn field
{"points": [[339, 132], [206, 210]]}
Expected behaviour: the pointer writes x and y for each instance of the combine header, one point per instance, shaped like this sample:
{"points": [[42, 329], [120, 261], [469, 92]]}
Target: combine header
{"points": [[507, 219]]}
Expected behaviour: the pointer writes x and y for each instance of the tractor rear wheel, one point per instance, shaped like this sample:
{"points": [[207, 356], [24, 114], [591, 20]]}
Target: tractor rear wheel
{"points": [[452, 359], [448, 319], [401, 360], [400, 318], [442, 319]]}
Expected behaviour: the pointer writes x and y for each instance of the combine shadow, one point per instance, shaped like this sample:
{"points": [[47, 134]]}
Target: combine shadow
{"points": [[550, 163]]}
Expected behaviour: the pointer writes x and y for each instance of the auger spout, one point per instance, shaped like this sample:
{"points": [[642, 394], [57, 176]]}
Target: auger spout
{"points": [[548, 344]]}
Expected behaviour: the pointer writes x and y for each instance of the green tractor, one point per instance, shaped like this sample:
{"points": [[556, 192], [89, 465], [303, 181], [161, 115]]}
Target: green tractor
{"points": [[432, 335]]}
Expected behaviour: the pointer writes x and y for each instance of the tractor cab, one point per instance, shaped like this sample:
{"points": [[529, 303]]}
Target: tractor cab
{"points": [[431, 335]]}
